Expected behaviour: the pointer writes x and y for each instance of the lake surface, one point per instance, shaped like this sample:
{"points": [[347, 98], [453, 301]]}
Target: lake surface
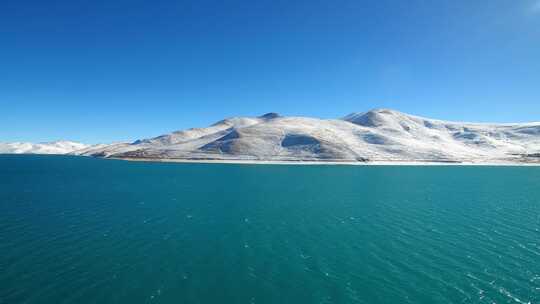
{"points": [[83, 230]]}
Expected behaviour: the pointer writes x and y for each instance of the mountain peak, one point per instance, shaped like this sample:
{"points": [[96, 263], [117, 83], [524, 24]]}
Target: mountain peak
{"points": [[270, 115], [374, 117]]}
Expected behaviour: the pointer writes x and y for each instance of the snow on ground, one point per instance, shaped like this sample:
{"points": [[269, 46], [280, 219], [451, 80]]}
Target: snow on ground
{"points": [[55, 147], [376, 136]]}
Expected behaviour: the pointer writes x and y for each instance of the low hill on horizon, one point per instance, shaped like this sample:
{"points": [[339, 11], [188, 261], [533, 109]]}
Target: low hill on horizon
{"points": [[54, 147]]}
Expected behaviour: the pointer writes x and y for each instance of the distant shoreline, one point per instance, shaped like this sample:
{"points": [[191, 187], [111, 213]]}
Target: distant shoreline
{"points": [[501, 163], [330, 163]]}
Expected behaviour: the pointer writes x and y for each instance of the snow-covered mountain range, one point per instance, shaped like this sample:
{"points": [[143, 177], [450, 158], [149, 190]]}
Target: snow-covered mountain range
{"points": [[55, 147], [373, 136], [376, 135]]}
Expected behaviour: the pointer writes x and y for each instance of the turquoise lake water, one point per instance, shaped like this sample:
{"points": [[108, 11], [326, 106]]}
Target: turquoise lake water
{"points": [[83, 230]]}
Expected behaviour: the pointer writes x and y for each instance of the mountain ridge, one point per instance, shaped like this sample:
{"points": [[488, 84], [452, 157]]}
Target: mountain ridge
{"points": [[53, 147], [375, 135]]}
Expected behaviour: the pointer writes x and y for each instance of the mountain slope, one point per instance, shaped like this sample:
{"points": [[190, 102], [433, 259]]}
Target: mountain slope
{"points": [[376, 135], [55, 147]]}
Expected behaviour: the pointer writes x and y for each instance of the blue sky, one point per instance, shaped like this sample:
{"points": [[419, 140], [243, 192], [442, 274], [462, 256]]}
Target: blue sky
{"points": [[100, 71]]}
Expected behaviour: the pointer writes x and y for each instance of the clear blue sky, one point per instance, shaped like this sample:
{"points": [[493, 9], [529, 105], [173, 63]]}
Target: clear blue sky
{"points": [[99, 71]]}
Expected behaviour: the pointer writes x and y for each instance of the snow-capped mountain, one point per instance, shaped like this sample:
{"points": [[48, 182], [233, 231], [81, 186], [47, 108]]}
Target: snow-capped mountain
{"points": [[55, 147], [376, 135]]}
